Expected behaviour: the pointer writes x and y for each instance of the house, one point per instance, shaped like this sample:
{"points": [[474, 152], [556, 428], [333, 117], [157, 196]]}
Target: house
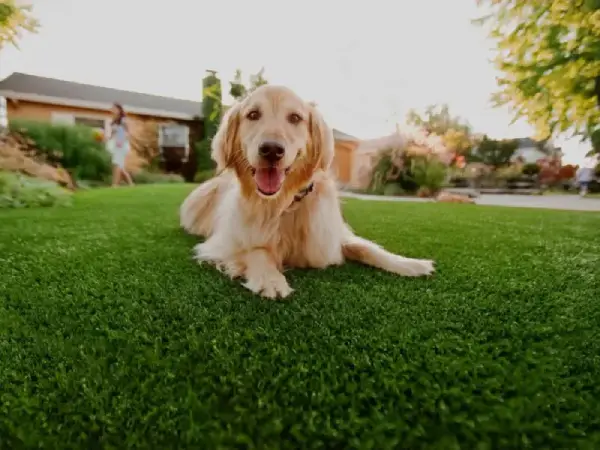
{"points": [[343, 161], [530, 151], [33, 97], [411, 139]]}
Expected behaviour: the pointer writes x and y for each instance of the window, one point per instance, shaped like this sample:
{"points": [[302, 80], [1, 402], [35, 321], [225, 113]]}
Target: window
{"points": [[90, 122], [173, 135], [62, 118]]}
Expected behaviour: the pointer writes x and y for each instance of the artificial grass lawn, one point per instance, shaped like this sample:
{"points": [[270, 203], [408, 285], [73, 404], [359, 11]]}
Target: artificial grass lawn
{"points": [[112, 337]]}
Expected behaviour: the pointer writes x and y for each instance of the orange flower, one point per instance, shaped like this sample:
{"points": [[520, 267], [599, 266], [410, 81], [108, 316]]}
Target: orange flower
{"points": [[99, 135]]}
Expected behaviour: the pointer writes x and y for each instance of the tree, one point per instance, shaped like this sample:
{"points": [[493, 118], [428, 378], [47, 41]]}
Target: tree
{"points": [[212, 103], [238, 90], [495, 153], [549, 57], [14, 20], [455, 133], [212, 107]]}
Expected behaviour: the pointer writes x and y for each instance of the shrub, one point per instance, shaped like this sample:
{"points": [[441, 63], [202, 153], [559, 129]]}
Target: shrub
{"points": [[428, 174], [203, 160], [203, 176], [393, 189], [16, 156], [381, 174], [410, 172], [512, 172], [21, 191], [145, 177], [73, 147], [531, 169], [567, 172]]}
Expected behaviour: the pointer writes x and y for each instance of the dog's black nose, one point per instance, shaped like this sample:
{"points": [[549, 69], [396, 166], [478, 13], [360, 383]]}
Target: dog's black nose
{"points": [[271, 151]]}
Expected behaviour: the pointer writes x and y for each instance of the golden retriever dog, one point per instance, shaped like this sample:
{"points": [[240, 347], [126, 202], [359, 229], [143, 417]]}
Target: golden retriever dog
{"points": [[274, 204]]}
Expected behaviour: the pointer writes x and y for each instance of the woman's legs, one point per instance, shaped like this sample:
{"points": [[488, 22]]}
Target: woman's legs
{"points": [[127, 177], [116, 175]]}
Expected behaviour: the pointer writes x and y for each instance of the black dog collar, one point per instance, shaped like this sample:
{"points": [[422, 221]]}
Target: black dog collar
{"points": [[304, 192]]}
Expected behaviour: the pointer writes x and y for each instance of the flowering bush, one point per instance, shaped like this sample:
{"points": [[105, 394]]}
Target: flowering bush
{"points": [[414, 160], [567, 172]]}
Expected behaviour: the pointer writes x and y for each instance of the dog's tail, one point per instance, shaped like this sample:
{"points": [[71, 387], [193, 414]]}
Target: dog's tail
{"points": [[197, 212], [366, 252]]}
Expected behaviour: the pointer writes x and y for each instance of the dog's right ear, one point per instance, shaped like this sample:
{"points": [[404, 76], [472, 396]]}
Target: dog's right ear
{"points": [[322, 144], [226, 139]]}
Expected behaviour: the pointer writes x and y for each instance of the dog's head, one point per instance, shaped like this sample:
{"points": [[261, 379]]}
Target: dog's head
{"points": [[274, 141]]}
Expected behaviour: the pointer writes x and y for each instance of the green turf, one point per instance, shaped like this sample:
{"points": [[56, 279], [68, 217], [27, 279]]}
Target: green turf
{"points": [[112, 337]]}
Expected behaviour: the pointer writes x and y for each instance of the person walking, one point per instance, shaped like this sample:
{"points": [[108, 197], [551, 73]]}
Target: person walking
{"points": [[118, 145], [585, 173]]}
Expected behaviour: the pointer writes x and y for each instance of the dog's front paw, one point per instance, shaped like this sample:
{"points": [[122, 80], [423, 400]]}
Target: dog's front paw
{"points": [[202, 253], [409, 267], [269, 285]]}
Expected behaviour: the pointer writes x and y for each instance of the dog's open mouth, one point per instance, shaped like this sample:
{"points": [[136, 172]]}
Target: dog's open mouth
{"points": [[269, 179]]}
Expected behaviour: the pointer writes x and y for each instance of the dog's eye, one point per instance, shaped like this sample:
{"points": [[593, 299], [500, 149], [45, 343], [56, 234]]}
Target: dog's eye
{"points": [[253, 115], [294, 118]]}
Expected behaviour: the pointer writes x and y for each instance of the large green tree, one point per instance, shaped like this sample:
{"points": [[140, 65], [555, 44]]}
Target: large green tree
{"points": [[15, 18], [494, 153], [437, 119], [549, 59]]}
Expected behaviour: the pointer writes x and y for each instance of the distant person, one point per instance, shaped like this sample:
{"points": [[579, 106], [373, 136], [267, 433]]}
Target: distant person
{"points": [[118, 145], [585, 173]]}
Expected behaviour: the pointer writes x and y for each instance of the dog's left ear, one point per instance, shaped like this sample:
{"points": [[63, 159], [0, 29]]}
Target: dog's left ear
{"points": [[321, 146]]}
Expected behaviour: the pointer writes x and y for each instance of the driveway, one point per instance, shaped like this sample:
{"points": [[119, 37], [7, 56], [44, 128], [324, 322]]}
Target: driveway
{"points": [[566, 202]]}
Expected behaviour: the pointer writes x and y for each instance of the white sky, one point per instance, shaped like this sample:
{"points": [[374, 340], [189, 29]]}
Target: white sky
{"points": [[366, 63]]}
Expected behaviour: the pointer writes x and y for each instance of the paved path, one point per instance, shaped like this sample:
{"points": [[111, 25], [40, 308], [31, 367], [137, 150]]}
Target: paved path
{"points": [[566, 202]]}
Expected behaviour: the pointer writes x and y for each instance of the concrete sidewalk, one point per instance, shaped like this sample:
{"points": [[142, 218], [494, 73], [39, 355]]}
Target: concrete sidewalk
{"points": [[564, 202]]}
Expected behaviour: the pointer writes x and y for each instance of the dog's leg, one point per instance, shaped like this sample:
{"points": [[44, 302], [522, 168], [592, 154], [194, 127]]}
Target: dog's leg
{"points": [[262, 275], [358, 249], [256, 266]]}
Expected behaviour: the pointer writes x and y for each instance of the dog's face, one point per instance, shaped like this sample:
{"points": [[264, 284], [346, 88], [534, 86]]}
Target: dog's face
{"points": [[273, 140]]}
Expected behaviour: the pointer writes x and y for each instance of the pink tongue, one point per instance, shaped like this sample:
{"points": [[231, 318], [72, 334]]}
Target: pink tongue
{"points": [[269, 180]]}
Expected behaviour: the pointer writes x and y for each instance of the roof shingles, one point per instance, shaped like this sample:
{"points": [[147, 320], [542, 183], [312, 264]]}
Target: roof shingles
{"points": [[51, 87]]}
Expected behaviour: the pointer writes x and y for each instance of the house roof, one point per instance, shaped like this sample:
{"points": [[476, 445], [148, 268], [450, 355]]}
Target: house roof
{"points": [[50, 90], [526, 142], [340, 136]]}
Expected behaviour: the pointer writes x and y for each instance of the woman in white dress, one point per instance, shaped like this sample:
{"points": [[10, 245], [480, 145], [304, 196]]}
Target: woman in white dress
{"points": [[118, 145]]}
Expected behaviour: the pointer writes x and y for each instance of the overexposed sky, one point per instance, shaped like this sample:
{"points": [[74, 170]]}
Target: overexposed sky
{"points": [[366, 63]]}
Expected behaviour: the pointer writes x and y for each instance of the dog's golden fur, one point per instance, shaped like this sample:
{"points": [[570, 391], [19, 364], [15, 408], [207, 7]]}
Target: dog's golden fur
{"points": [[255, 236]]}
